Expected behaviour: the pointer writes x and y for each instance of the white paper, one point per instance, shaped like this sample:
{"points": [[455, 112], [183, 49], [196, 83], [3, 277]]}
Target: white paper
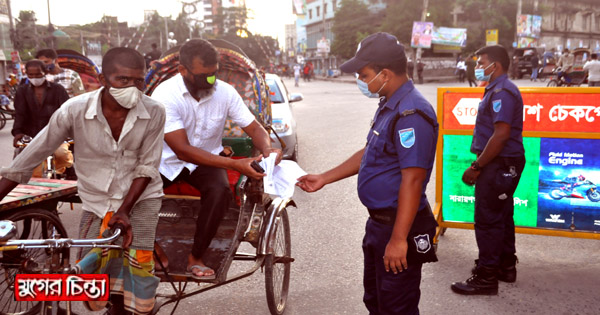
{"points": [[281, 179]]}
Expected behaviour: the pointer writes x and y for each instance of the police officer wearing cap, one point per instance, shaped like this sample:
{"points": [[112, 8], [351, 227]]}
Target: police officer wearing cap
{"points": [[498, 143], [393, 171]]}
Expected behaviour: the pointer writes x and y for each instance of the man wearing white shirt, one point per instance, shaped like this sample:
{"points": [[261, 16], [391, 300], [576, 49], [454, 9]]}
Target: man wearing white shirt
{"points": [[197, 106], [592, 67]]}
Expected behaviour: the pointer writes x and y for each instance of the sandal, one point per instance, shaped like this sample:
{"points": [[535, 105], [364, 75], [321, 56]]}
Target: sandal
{"points": [[203, 269]]}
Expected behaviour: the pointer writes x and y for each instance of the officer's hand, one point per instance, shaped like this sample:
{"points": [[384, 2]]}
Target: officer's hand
{"points": [[120, 217], [274, 150], [395, 256], [16, 139], [311, 182], [243, 166], [470, 176]]}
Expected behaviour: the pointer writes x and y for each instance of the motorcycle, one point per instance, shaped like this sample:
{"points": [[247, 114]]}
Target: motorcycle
{"points": [[578, 190]]}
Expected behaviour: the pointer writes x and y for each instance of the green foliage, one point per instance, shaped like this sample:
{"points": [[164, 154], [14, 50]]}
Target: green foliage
{"points": [[352, 23], [68, 43], [399, 18], [489, 14]]}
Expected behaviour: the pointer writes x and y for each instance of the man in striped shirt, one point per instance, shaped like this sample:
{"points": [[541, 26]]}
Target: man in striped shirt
{"points": [[68, 78]]}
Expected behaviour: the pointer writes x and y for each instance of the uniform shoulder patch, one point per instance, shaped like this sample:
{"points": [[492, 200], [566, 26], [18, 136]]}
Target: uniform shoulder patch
{"points": [[422, 243], [407, 137], [496, 105]]}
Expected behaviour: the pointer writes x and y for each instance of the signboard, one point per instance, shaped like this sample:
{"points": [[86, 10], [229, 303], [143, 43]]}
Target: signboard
{"points": [[421, 35], [491, 37], [557, 192], [527, 42], [14, 56], [323, 46], [529, 25], [450, 36]]}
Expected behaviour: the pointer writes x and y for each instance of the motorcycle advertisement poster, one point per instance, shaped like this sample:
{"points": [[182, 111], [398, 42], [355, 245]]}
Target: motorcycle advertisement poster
{"points": [[567, 196]]}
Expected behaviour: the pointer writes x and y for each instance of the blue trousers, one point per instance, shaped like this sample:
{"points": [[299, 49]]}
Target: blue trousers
{"points": [[386, 292], [494, 209]]}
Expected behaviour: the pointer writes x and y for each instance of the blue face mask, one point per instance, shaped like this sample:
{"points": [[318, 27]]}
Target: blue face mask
{"points": [[480, 74], [364, 87]]}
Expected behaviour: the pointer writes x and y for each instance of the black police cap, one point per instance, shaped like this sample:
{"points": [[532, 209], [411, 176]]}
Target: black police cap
{"points": [[381, 48]]}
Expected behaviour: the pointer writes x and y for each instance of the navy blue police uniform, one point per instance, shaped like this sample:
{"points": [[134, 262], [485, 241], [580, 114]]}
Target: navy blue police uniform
{"points": [[403, 134], [498, 180]]}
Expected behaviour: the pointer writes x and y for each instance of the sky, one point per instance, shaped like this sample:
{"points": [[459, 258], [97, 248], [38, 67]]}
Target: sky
{"points": [[268, 17]]}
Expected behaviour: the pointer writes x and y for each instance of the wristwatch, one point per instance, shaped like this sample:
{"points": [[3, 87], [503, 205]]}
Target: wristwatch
{"points": [[475, 166]]}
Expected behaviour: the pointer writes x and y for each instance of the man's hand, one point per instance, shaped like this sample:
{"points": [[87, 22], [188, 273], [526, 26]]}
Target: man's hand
{"points": [[470, 176], [394, 258], [271, 150], [16, 139], [243, 166], [311, 182], [120, 217]]}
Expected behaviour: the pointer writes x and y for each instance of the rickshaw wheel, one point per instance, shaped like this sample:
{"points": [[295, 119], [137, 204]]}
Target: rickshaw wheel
{"points": [[552, 83], [2, 120], [278, 266], [31, 224]]}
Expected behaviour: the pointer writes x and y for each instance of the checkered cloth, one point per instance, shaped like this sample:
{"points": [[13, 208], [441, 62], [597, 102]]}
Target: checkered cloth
{"points": [[130, 271]]}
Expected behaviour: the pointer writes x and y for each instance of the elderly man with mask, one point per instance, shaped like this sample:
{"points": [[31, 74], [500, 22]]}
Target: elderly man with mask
{"points": [[119, 134]]}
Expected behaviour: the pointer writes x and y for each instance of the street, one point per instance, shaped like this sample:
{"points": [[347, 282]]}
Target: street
{"points": [[555, 275]]}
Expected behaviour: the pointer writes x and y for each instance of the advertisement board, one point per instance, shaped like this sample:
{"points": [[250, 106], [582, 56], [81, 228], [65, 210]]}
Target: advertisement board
{"points": [[450, 36], [529, 25], [557, 193], [491, 37], [421, 34]]}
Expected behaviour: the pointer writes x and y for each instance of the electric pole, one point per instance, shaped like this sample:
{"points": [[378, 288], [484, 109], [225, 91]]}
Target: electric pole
{"points": [[419, 50]]}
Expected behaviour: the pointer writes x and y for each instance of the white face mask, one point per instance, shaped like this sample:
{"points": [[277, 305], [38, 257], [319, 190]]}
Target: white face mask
{"points": [[127, 97], [37, 81]]}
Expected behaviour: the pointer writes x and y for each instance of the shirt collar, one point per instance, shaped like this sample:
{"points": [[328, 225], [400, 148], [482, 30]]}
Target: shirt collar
{"points": [[93, 110], [496, 82], [400, 93]]}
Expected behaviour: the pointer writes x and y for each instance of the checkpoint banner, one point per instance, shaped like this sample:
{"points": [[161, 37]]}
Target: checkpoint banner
{"points": [[557, 193]]}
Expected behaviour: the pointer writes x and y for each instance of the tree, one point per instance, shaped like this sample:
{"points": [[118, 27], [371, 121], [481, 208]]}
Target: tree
{"points": [[489, 14], [351, 24], [26, 31]]}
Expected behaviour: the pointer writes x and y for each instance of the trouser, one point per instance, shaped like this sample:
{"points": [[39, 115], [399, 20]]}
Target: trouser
{"points": [[534, 73], [420, 75], [494, 208], [216, 195], [296, 79], [472, 82], [386, 292]]}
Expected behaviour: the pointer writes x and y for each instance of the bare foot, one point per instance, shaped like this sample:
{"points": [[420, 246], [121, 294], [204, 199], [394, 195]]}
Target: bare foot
{"points": [[197, 267]]}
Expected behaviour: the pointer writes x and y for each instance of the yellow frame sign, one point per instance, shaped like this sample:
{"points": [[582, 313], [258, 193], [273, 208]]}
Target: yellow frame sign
{"points": [[552, 128]]}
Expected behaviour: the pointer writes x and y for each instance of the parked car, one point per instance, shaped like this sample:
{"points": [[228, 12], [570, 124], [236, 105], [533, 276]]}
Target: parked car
{"points": [[284, 123], [521, 61]]}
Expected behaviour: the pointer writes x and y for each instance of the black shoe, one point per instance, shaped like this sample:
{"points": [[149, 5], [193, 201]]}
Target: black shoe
{"points": [[483, 282], [508, 269]]}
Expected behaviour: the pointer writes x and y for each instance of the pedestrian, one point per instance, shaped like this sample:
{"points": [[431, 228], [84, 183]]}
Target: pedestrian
{"points": [[197, 106], [593, 69], [498, 144], [410, 67], [393, 171], [535, 64], [461, 67], [35, 102], [152, 55], [119, 136], [565, 65], [297, 69], [471, 63], [68, 78], [306, 72], [420, 68]]}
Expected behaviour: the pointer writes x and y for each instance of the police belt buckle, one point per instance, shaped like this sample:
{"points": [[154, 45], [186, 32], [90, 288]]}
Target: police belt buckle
{"points": [[386, 217]]}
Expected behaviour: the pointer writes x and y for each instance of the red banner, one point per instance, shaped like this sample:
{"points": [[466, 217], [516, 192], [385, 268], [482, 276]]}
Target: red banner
{"points": [[60, 287], [560, 112]]}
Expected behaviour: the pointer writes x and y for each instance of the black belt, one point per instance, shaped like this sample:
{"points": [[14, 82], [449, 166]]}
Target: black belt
{"points": [[388, 217]]}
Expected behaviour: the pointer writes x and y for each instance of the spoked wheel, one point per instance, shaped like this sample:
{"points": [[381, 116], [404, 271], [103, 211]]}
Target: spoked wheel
{"points": [[3, 119], [31, 224], [278, 266], [552, 83]]}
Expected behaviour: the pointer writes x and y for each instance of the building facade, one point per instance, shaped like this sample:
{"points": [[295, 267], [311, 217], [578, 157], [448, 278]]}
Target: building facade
{"points": [[570, 24]]}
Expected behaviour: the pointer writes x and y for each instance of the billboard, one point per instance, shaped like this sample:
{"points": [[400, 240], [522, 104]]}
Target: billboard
{"points": [[529, 25], [491, 37], [421, 35], [450, 36], [557, 193]]}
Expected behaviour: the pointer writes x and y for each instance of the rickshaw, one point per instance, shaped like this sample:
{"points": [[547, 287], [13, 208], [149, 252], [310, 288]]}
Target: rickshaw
{"points": [[85, 67], [256, 218], [577, 76]]}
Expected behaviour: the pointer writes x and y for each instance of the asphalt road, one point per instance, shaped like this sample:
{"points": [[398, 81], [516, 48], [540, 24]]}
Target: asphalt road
{"points": [[556, 275]]}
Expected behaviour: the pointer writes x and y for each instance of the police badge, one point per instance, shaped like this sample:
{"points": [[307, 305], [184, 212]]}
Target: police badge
{"points": [[422, 243]]}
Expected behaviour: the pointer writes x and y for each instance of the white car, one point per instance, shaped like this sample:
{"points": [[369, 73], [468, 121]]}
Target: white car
{"points": [[284, 123]]}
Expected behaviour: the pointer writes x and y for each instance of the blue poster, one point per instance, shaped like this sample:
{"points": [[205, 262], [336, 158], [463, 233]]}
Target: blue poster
{"points": [[568, 197]]}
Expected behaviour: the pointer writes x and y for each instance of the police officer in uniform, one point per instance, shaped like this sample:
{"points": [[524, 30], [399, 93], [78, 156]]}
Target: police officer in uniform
{"points": [[393, 171], [498, 143]]}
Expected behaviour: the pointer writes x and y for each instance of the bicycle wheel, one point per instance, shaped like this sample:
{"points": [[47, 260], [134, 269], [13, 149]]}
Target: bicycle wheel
{"points": [[2, 120], [278, 266], [552, 83], [31, 224]]}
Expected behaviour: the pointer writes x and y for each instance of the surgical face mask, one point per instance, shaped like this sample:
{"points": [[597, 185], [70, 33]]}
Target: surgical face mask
{"points": [[480, 74], [37, 81], [364, 87], [127, 97]]}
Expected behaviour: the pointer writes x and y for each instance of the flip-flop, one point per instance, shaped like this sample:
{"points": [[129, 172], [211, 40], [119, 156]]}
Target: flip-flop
{"points": [[202, 269]]}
